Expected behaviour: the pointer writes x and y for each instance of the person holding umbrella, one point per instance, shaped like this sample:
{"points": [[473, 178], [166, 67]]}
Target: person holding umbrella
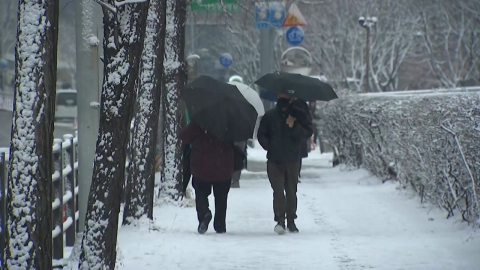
{"points": [[219, 116], [253, 98], [282, 132]]}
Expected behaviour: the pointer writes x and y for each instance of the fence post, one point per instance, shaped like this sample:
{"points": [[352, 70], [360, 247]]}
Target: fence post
{"points": [[3, 207], [75, 171], [72, 230], [57, 199]]}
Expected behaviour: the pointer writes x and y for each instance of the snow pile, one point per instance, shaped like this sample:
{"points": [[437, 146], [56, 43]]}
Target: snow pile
{"points": [[427, 142], [93, 41]]}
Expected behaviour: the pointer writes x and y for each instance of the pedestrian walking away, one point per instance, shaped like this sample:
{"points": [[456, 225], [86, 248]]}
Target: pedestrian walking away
{"points": [[212, 165], [240, 146], [315, 119], [282, 136]]}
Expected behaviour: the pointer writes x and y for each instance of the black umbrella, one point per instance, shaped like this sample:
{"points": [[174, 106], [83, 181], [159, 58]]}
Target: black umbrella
{"points": [[296, 85], [220, 109]]}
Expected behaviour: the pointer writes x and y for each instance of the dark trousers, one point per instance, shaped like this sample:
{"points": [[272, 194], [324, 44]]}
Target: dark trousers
{"points": [[220, 192], [283, 178]]}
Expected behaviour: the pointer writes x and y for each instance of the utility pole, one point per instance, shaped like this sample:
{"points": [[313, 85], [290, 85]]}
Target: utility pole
{"points": [[267, 56], [89, 78], [192, 32]]}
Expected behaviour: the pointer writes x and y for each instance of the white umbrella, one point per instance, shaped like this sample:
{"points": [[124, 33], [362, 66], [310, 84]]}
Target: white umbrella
{"points": [[251, 96]]}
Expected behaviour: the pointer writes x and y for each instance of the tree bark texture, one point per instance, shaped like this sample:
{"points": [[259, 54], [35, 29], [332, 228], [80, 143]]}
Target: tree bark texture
{"points": [[29, 199], [124, 34], [141, 173], [174, 80]]}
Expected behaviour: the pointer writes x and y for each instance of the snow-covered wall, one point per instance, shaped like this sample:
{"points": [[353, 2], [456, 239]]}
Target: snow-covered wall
{"points": [[430, 143]]}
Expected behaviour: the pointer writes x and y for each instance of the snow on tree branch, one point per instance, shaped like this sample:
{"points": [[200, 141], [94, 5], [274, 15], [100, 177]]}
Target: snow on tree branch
{"points": [[450, 39], [338, 43], [108, 6], [125, 2]]}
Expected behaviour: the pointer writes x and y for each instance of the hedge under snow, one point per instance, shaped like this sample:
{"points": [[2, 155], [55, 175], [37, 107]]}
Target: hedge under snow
{"points": [[430, 143]]}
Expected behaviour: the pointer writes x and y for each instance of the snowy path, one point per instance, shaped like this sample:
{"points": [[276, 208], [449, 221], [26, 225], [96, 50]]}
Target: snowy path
{"points": [[347, 220]]}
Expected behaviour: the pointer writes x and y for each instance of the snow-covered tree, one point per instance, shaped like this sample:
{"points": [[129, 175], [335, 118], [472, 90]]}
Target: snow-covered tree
{"points": [[141, 171], [243, 41], [174, 79], [29, 199], [124, 32], [451, 40], [338, 42]]}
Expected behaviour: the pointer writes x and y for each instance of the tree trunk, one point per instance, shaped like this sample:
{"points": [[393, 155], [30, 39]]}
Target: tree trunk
{"points": [[29, 199], [124, 34], [174, 80], [141, 174]]}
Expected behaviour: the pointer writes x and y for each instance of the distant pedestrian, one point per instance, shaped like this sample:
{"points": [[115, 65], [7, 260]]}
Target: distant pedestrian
{"points": [[282, 136], [242, 146]]}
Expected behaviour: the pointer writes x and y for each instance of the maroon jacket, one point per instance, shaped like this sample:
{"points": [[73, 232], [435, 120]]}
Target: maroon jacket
{"points": [[211, 160]]}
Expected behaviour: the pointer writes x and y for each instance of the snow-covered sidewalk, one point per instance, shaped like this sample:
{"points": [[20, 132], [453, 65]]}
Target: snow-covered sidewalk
{"points": [[347, 220]]}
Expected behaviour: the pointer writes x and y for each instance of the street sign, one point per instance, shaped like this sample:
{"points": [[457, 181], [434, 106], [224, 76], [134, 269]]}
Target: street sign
{"points": [[269, 15], [294, 17], [226, 60], [295, 35], [214, 6]]}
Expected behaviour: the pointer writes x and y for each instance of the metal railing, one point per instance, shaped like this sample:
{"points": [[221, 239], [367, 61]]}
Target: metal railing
{"points": [[64, 197]]}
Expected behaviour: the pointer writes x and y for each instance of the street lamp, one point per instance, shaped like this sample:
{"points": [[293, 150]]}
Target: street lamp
{"points": [[367, 23]]}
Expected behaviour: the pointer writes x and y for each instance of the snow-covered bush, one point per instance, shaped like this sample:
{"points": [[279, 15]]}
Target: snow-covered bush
{"points": [[430, 143]]}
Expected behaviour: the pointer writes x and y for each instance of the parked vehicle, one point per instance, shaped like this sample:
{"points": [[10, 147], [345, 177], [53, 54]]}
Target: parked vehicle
{"points": [[66, 105]]}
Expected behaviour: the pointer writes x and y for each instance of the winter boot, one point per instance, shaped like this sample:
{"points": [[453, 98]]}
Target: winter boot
{"points": [[292, 227], [280, 228], [203, 226]]}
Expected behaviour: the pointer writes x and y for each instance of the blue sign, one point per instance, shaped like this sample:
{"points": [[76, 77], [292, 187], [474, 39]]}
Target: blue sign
{"points": [[269, 15], [295, 35], [226, 59]]}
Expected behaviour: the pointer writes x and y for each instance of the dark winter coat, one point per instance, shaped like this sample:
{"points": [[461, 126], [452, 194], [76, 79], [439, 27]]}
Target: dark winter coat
{"points": [[301, 111], [211, 160], [283, 144]]}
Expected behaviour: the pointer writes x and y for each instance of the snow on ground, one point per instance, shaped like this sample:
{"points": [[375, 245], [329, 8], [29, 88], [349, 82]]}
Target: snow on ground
{"points": [[347, 220]]}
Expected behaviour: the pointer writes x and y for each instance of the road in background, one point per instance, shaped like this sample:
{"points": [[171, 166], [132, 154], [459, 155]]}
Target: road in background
{"points": [[6, 129]]}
